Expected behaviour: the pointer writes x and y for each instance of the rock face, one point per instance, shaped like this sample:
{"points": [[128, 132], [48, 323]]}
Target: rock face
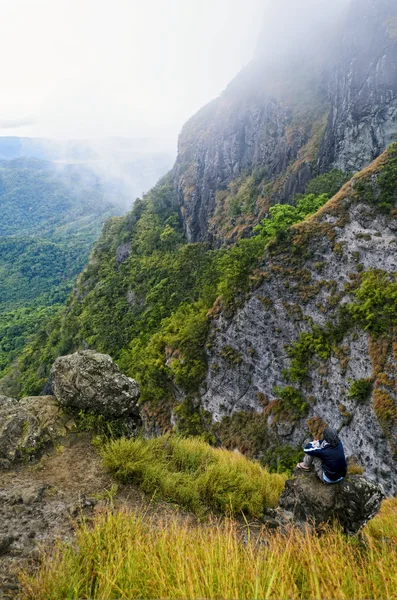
{"points": [[302, 288], [320, 104], [91, 381], [232, 137], [363, 116], [27, 425], [353, 502]]}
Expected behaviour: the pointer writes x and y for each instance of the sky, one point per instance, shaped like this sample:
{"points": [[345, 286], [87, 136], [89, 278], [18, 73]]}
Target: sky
{"points": [[91, 69]]}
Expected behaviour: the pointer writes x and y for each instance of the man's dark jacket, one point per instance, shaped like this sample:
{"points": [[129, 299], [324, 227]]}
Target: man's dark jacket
{"points": [[333, 459]]}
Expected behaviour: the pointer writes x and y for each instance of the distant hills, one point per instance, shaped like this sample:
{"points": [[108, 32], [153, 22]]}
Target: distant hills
{"points": [[54, 199]]}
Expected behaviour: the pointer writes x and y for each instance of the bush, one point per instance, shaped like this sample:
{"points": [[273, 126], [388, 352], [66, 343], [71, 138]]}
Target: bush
{"points": [[360, 390], [194, 475]]}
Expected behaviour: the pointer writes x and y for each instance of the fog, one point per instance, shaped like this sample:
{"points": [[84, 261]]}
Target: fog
{"points": [[113, 81], [126, 68], [291, 28]]}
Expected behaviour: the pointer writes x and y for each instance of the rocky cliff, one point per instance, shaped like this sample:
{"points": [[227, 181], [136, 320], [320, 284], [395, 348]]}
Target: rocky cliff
{"points": [[325, 98], [316, 339], [363, 89], [243, 335]]}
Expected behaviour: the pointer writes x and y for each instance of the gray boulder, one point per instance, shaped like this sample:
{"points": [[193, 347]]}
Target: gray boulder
{"points": [[352, 503], [92, 381], [27, 425]]}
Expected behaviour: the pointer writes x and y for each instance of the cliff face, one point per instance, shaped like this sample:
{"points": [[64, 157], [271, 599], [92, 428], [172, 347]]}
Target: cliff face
{"points": [[231, 137], [290, 353], [363, 116], [273, 116], [246, 350]]}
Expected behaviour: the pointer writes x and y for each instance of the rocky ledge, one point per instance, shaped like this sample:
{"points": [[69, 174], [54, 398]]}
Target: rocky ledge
{"points": [[352, 503]]}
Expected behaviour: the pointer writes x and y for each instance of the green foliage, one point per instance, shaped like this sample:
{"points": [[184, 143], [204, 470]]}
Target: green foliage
{"points": [[193, 421], [320, 342], [281, 459], [194, 475], [375, 308], [386, 182], [360, 390], [292, 398], [150, 311], [328, 183], [283, 216], [100, 425], [50, 220]]}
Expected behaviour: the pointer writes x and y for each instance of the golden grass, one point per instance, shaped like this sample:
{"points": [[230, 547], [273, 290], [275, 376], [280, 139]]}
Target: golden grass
{"points": [[194, 475], [125, 555]]}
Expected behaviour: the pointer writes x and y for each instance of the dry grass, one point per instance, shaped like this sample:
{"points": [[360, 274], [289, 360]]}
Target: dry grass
{"points": [[194, 475], [125, 555]]}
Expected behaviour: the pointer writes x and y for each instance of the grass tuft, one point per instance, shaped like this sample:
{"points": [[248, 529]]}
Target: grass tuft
{"points": [[128, 555], [194, 475]]}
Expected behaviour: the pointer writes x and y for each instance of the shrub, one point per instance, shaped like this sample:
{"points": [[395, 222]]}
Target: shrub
{"points": [[292, 398], [360, 390], [194, 475]]}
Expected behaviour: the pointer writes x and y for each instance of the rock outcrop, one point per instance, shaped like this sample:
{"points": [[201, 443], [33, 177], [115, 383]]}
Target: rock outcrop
{"points": [[28, 425], [92, 381], [352, 503], [319, 104]]}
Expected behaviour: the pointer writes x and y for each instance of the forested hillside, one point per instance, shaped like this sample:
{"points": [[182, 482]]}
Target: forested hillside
{"points": [[50, 219]]}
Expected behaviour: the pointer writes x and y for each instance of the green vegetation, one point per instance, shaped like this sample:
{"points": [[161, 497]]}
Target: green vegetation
{"points": [[292, 399], [374, 309], [150, 311], [328, 183], [194, 475], [385, 194], [282, 216], [130, 555], [49, 222], [361, 389]]}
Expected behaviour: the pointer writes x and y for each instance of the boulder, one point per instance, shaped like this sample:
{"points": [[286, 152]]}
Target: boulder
{"points": [[28, 424], [92, 381], [352, 502]]}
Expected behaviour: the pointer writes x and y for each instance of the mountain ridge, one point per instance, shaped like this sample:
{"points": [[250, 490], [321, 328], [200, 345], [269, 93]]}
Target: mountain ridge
{"points": [[226, 315]]}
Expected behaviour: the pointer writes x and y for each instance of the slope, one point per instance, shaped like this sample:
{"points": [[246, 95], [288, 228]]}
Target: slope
{"points": [[50, 220]]}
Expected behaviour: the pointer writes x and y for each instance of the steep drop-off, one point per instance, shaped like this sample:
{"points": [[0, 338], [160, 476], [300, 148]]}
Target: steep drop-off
{"points": [[238, 327]]}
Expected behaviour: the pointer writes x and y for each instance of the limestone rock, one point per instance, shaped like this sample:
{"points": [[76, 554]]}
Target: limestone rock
{"points": [[363, 116], [26, 425], [352, 502], [92, 381]]}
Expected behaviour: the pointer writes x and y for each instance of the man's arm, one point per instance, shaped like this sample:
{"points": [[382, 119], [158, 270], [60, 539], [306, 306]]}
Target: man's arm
{"points": [[314, 449]]}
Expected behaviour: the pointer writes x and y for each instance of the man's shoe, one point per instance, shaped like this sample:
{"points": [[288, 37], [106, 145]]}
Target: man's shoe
{"points": [[303, 467]]}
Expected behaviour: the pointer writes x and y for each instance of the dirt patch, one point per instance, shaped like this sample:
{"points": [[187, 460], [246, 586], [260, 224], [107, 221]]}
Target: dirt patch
{"points": [[42, 502]]}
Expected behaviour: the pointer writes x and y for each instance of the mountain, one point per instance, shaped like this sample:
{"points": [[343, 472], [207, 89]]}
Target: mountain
{"points": [[253, 289]]}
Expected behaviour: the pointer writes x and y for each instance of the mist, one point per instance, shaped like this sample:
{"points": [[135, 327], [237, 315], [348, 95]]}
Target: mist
{"points": [[108, 84], [292, 29], [90, 69]]}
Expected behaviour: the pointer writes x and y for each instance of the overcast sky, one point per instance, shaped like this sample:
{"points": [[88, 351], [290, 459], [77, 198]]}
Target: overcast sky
{"points": [[98, 68]]}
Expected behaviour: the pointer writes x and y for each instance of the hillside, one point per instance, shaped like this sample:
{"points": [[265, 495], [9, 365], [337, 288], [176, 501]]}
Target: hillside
{"points": [[50, 218], [242, 297]]}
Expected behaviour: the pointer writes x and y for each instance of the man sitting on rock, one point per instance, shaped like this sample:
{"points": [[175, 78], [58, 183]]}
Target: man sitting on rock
{"points": [[327, 457]]}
